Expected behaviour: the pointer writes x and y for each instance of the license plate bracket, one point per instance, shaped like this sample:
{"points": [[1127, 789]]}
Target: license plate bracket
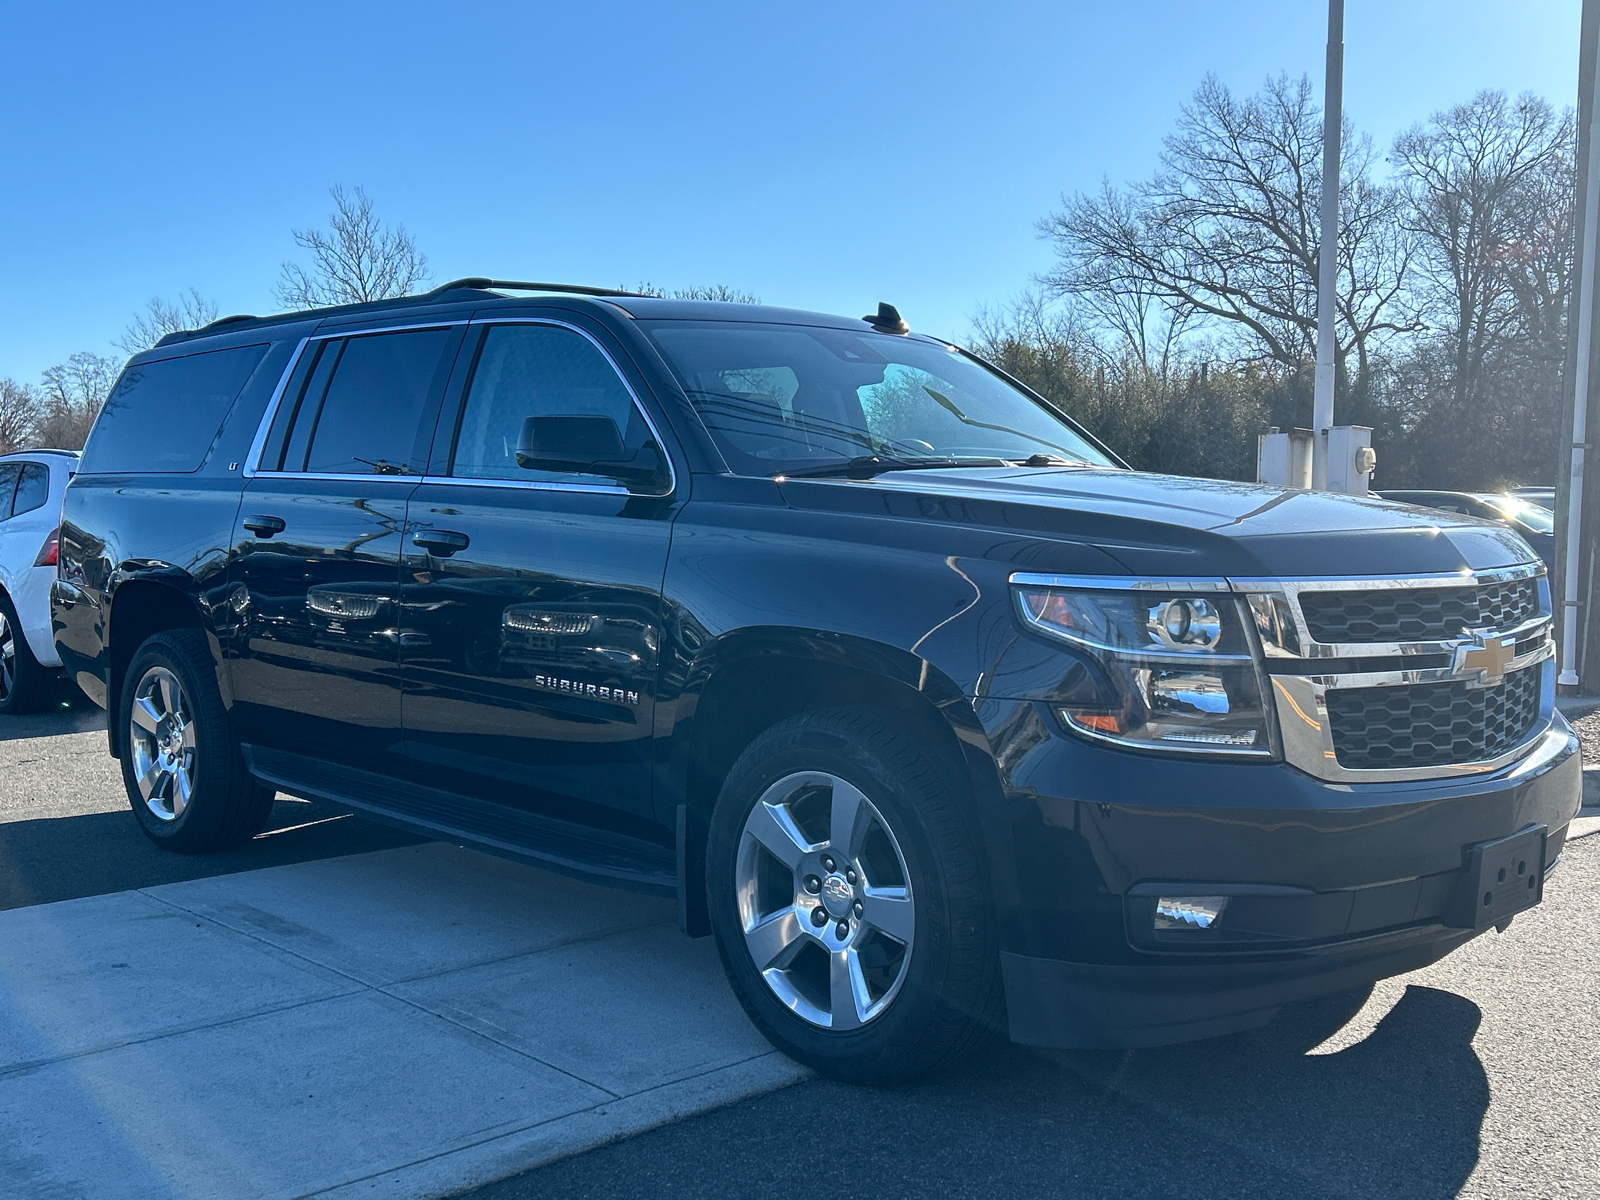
{"points": [[1501, 878]]}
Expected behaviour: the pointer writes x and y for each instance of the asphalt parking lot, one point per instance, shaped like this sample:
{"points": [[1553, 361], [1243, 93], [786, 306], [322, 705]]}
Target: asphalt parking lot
{"points": [[1479, 1076]]}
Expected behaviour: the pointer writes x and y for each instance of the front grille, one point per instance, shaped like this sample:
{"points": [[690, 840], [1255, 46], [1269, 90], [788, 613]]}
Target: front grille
{"points": [[1417, 614], [1432, 724]]}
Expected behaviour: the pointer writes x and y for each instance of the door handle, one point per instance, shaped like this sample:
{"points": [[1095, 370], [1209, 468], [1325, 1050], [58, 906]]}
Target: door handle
{"points": [[441, 542], [264, 527]]}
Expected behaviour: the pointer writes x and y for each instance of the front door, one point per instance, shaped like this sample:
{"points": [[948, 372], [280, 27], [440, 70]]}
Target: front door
{"points": [[316, 553], [531, 601]]}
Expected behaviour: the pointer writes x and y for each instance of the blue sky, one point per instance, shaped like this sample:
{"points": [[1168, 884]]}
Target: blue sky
{"points": [[822, 155]]}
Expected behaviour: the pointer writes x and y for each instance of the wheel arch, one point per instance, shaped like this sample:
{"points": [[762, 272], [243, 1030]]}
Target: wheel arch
{"points": [[749, 680], [138, 609]]}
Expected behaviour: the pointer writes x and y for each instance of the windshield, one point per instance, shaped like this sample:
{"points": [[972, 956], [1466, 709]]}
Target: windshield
{"points": [[780, 398], [1536, 518]]}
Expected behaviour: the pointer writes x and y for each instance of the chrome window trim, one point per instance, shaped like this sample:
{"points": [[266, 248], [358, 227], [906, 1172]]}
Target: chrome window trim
{"points": [[413, 480], [264, 427], [538, 485]]}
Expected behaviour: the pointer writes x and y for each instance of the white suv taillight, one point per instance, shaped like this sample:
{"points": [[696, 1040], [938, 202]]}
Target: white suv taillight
{"points": [[50, 552]]}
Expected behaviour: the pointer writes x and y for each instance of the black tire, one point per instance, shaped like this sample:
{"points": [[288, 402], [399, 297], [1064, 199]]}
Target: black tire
{"points": [[25, 685], [947, 999], [225, 806]]}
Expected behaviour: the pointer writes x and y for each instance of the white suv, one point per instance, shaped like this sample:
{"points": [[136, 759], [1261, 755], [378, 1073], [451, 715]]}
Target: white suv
{"points": [[31, 483]]}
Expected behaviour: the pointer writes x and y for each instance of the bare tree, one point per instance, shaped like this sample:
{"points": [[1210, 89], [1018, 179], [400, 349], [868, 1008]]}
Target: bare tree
{"points": [[1177, 416], [718, 291], [1486, 179], [189, 311], [356, 259], [1225, 236], [73, 394], [19, 411]]}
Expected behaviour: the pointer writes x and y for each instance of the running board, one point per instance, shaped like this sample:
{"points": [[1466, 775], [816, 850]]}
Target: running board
{"points": [[597, 855]]}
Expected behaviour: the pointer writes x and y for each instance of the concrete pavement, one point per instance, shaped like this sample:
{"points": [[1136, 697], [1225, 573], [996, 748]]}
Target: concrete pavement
{"points": [[397, 1024], [1477, 1078], [423, 1019]]}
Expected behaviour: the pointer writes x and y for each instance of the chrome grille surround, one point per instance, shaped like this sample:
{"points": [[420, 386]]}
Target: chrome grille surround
{"points": [[1291, 652], [1417, 614]]}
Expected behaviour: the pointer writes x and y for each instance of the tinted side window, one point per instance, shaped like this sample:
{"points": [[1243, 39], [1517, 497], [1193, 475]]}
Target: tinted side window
{"points": [[536, 371], [163, 416], [367, 418], [8, 484], [33, 488]]}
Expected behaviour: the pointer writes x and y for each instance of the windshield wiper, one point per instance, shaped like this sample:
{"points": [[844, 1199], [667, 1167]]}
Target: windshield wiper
{"points": [[1047, 460], [865, 466]]}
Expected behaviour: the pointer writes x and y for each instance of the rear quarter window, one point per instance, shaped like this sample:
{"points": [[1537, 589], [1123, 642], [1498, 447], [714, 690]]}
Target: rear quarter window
{"points": [[163, 416], [33, 488]]}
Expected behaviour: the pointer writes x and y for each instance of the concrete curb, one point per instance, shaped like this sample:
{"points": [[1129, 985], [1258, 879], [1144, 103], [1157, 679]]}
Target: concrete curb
{"points": [[1575, 708], [408, 1023], [473, 1166]]}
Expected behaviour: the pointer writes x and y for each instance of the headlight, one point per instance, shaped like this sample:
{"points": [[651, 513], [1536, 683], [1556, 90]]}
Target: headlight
{"points": [[1175, 667]]}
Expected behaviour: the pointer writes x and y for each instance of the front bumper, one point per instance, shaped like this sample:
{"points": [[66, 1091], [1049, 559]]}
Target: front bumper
{"points": [[1340, 884]]}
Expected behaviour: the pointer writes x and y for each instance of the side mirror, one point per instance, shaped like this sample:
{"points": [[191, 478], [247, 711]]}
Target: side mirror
{"points": [[586, 446]]}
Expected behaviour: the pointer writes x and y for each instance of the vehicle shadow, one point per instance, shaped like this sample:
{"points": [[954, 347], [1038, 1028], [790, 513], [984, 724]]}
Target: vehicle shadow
{"points": [[92, 854], [1397, 1114], [73, 713]]}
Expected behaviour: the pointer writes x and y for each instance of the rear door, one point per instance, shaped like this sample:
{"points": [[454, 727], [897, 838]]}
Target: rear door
{"points": [[316, 547], [9, 471], [30, 520], [531, 601]]}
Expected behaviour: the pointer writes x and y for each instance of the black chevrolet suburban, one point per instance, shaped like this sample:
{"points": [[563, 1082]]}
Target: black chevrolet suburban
{"points": [[938, 717]]}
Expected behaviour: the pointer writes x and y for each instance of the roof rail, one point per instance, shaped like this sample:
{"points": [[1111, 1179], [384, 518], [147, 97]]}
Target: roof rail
{"points": [[183, 335], [225, 321], [482, 284]]}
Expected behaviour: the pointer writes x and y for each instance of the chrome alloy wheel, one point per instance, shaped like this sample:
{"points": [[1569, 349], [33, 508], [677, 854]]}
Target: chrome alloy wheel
{"points": [[8, 657], [825, 900], [162, 734]]}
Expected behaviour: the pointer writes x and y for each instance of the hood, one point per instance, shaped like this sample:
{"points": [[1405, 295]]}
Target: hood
{"points": [[1170, 525]]}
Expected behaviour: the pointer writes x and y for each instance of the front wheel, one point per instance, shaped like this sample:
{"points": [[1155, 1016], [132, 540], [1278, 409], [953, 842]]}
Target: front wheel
{"points": [[848, 899], [186, 779]]}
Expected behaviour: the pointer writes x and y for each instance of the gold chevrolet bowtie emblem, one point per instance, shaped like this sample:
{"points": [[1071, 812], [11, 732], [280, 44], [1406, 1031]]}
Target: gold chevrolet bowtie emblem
{"points": [[1486, 654]]}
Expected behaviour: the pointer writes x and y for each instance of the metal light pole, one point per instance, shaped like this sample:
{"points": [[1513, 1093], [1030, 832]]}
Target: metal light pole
{"points": [[1328, 262], [1575, 619]]}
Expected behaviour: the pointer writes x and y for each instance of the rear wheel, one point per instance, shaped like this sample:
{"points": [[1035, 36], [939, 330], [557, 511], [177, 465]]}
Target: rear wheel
{"points": [[25, 685], [848, 901], [185, 777]]}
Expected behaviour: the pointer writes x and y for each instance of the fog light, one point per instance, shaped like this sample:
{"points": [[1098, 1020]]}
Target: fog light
{"points": [[1189, 912]]}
